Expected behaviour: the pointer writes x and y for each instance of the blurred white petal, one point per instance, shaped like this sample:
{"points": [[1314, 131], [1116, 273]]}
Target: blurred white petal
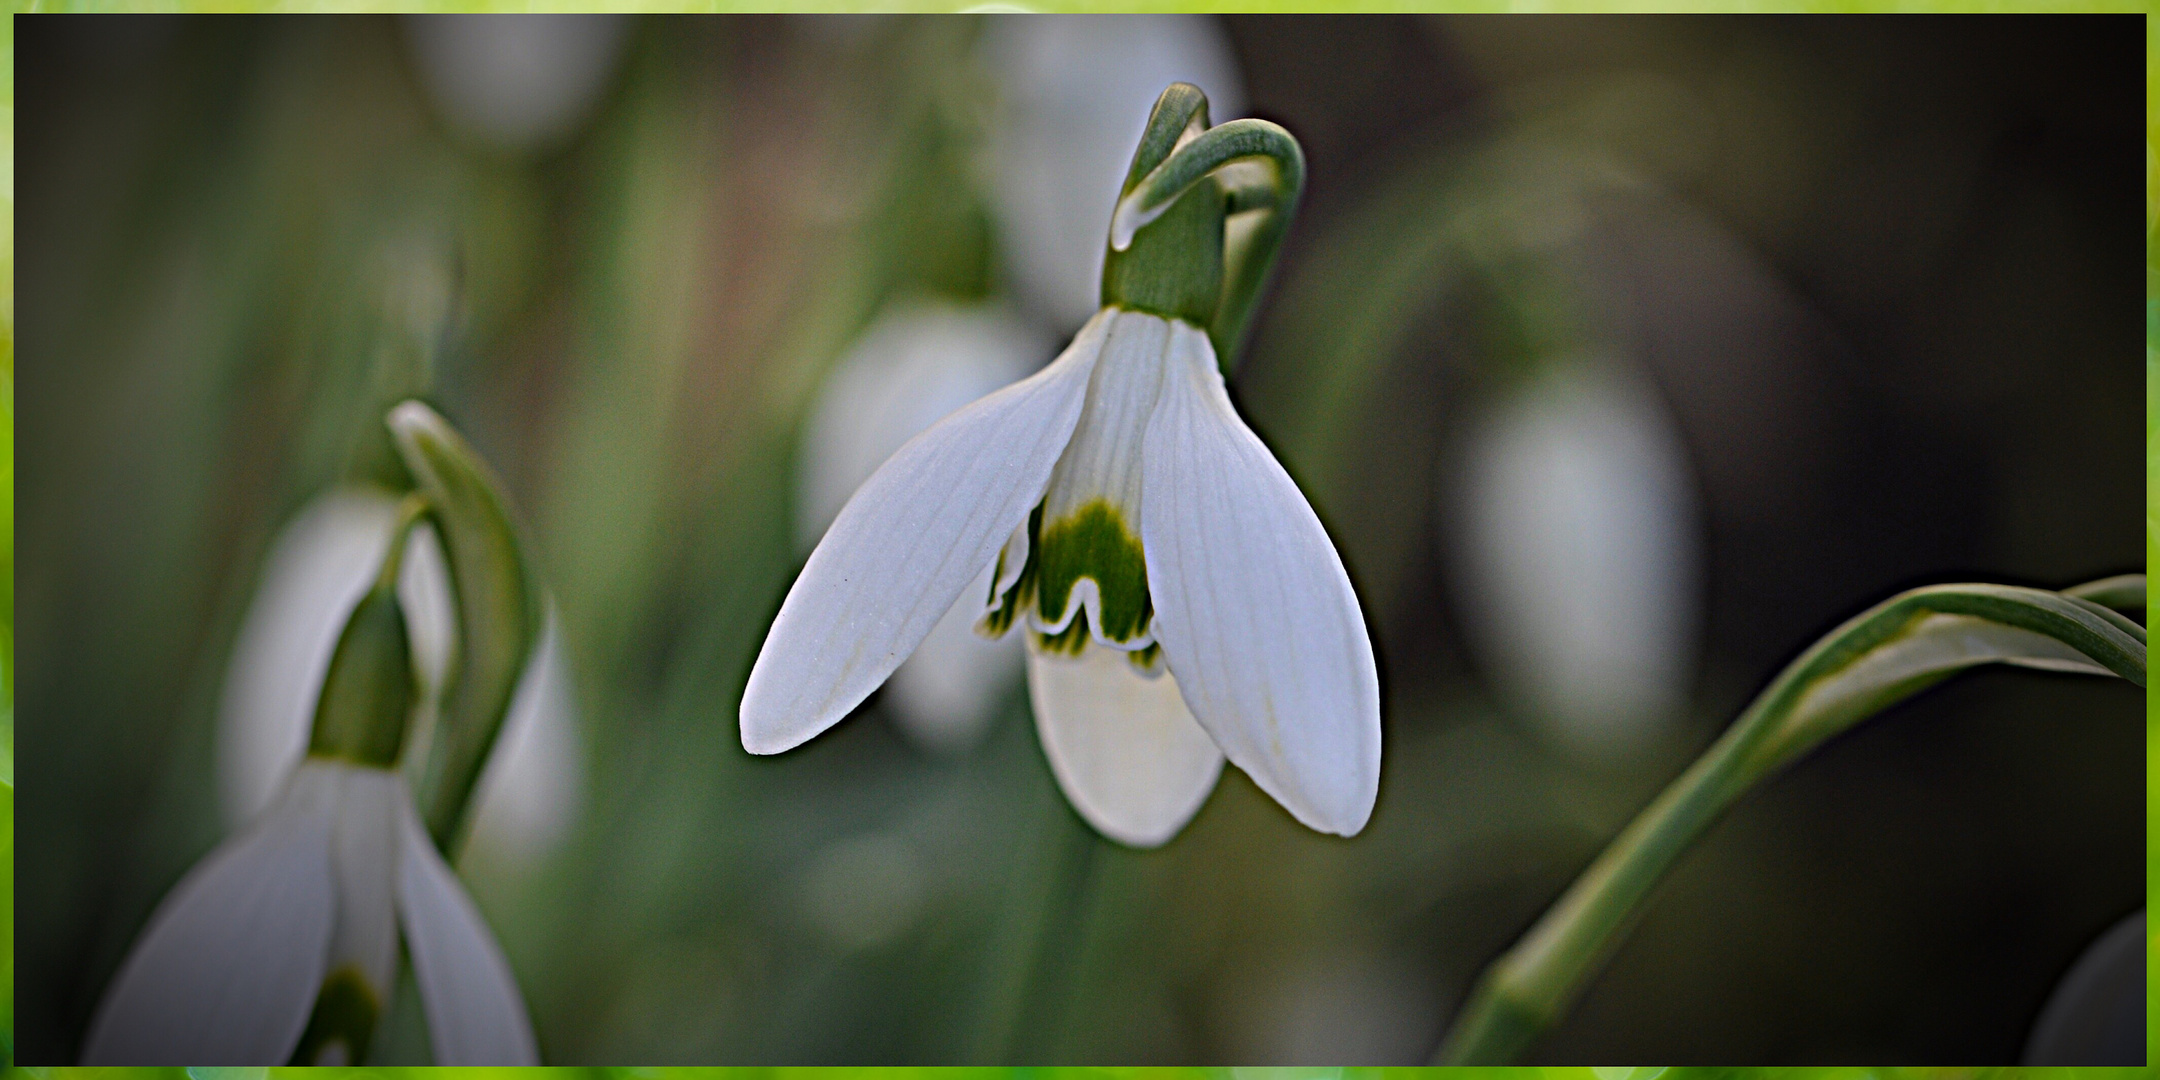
{"points": [[364, 861], [1124, 749], [534, 783], [475, 1013], [1075, 93], [227, 969], [1253, 609], [520, 81], [905, 547], [312, 579], [1577, 551]]}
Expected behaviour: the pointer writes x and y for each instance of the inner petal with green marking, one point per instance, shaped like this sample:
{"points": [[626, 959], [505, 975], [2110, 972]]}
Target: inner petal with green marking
{"points": [[1076, 568]]}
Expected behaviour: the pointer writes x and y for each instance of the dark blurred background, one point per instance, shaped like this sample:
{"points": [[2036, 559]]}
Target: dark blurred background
{"points": [[1621, 356]]}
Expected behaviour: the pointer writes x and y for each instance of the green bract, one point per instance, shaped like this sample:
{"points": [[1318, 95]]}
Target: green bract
{"points": [[498, 607], [368, 693], [1168, 253]]}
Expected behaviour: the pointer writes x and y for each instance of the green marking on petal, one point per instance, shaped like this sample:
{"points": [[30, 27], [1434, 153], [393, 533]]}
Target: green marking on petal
{"points": [[1071, 641], [345, 1014], [1145, 658], [1094, 542], [1021, 593]]}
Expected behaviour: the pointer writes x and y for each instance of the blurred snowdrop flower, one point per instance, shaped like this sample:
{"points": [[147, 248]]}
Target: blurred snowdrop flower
{"points": [[1575, 529], [516, 82], [1074, 95], [1165, 567], [282, 944], [317, 571], [918, 362]]}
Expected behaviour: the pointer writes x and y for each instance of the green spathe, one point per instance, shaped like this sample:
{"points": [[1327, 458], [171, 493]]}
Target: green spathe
{"points": [[1169, 253], [367, 694]]}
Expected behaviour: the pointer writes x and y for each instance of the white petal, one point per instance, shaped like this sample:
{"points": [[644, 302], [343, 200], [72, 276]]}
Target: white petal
{"points": [[312, 578], [1122, 746], [227, 969], [475, 1014], [1253, 610], [945, 694], [364, 858], [914, 366], [920, 530], [315, 573]]}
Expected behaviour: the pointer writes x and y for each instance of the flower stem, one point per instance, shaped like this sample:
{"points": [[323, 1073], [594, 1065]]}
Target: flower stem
{"points": [[1532, 984], [1884, 655]]}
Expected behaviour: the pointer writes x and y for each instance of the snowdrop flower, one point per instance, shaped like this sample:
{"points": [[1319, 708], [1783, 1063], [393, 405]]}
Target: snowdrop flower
{"points": [[317, 571], [1180, 600], [516, 81], [1073, 92], [1574, 528], [916, 363], [281, 945]]}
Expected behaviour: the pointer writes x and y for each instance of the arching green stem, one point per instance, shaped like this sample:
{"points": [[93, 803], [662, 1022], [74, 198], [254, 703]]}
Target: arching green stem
{"points": [[1890, 652]]}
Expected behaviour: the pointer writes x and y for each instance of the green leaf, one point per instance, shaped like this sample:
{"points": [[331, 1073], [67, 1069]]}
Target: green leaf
{"points": [[1914, 640], [498, 609], [1876, 659]]}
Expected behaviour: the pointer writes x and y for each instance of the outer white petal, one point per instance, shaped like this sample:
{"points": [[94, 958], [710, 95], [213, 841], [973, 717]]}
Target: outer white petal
{"points": [[1253, 610], [227, 969], [916, 534], [475, 1014], [315, 573], [1121, 744], [916, 364]]}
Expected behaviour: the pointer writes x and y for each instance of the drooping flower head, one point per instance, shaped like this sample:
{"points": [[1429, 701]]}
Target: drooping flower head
{"points": [[1182, 602], [282, 944]]}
